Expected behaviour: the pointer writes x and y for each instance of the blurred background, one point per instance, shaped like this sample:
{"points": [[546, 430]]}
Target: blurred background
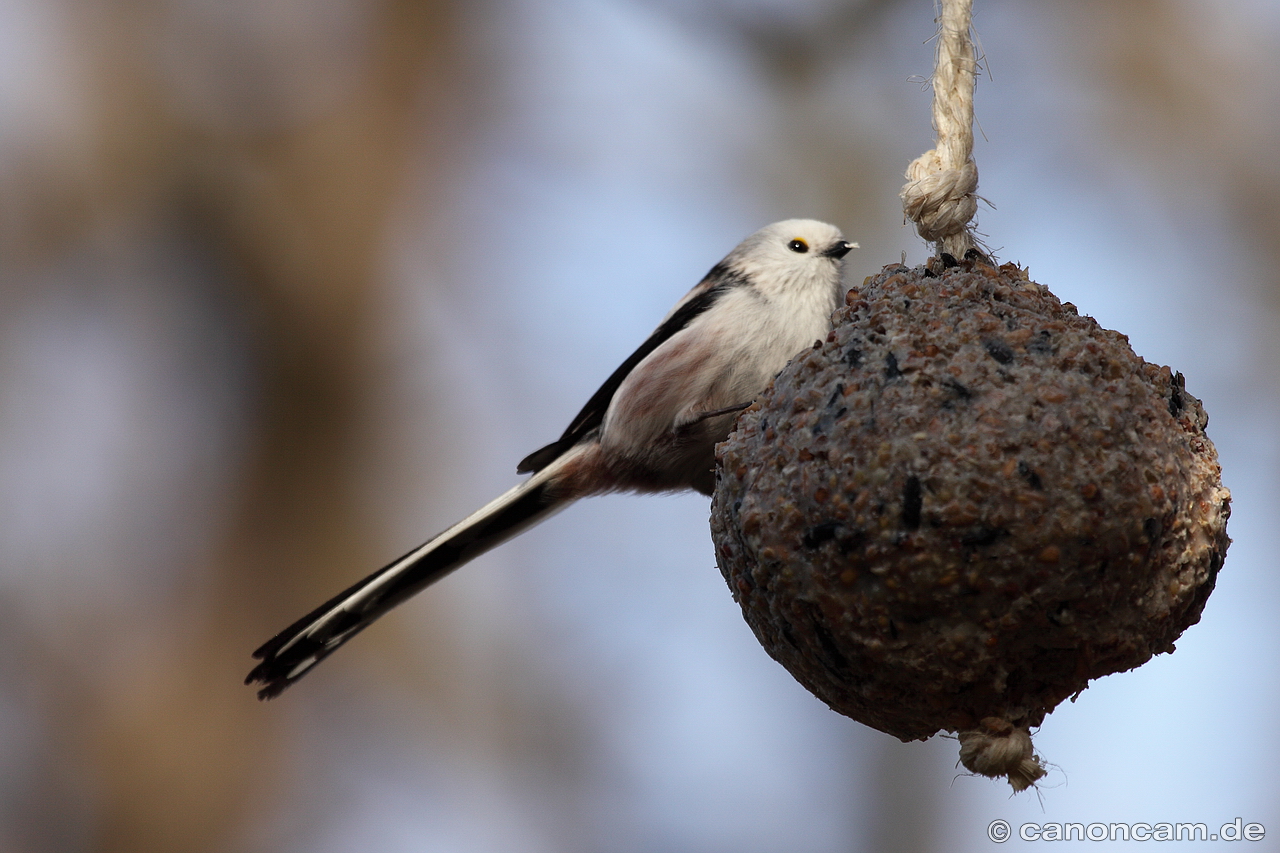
{"points": [[286, 287]]}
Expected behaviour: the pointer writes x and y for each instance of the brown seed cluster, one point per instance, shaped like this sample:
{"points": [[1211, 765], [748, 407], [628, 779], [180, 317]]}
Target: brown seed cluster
{"points": [[967, 503]]}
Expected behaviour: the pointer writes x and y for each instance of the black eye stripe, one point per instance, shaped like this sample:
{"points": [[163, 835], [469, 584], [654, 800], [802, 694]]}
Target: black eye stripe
{"points": [[798, 246]]}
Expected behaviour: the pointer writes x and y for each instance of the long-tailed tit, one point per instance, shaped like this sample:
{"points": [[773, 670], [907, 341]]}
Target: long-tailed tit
{"points": [[652, 426]]}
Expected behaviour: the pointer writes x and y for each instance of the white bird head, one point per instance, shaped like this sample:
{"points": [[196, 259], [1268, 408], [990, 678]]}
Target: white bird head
{"points": [[789, 255]]}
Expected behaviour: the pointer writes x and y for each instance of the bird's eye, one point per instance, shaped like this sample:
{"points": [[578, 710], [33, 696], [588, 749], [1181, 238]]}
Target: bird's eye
{"points": [[799, 246]]}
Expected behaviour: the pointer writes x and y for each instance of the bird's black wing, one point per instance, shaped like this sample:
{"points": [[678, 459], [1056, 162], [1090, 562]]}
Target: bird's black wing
{"points": [[592, 414]]}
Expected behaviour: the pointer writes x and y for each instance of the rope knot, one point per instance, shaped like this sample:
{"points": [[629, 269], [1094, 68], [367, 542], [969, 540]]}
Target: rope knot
{"points": [[997, 748], [940, 194], [940, 201]]}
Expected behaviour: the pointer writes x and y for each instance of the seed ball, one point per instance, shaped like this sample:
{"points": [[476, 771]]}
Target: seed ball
{"points": [[966, 504]]}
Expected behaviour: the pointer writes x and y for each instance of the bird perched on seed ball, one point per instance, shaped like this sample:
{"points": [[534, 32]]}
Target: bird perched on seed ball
{"points": [[652, 426]]}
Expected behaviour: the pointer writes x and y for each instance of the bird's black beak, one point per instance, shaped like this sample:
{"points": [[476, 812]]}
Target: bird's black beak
{"points": [[839, 249]]}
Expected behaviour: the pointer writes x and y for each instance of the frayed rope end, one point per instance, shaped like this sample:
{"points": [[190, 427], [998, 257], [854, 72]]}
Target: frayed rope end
{"points": [[997, 748]]}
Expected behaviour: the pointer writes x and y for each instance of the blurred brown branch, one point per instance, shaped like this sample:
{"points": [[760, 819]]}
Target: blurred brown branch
{"points": [[296, 213]]}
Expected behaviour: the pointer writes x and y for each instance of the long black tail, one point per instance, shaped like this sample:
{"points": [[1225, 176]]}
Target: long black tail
{"points": [[292, 653]]}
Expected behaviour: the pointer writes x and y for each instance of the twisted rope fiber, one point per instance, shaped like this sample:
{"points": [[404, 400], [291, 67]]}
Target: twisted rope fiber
{"points": [[940, 194]]}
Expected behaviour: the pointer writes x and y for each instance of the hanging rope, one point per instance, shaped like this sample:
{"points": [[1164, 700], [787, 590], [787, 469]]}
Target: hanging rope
{"points": [[940, 194]]}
